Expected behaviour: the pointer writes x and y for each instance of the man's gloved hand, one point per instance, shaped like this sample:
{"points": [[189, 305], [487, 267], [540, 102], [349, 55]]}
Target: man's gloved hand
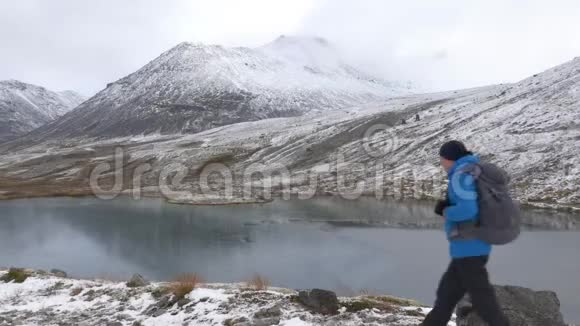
{"points": [[441, 205]]}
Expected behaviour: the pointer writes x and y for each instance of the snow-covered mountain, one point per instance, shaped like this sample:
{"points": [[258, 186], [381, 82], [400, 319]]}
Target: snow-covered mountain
{"points": [[530, 128], [195, 87], [24, 107], [71, 98]]}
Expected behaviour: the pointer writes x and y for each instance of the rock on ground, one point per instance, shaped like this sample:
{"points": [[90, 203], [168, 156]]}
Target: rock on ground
{"points": [[137, 281], [523, 307], [321, 301]]}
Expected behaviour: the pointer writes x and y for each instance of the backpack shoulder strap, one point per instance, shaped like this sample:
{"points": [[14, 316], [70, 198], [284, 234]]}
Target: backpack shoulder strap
{"points": [[474, 169]]}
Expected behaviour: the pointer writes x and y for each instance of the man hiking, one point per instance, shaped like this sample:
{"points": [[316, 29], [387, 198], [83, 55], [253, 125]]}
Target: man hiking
{"points": [[466, 272]]}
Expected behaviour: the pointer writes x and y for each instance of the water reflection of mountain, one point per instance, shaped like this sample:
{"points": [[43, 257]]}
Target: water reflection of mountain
{"points": [[551, 220], [165, 239], [150, 232], [159, 236], [368, 212]]}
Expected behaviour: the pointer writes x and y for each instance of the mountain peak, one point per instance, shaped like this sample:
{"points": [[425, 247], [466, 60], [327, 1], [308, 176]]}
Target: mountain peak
{"points": [[282, 42], [24, 107], [308, 51], [299, 44], [16, 84], [10, 81], [195, 46], [193, 87], [300, 39]]}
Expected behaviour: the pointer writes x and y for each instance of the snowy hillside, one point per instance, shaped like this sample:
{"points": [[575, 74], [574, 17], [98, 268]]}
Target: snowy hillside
{"points": [[530, 128], [71, 99], [195, 87], [24, 107]]}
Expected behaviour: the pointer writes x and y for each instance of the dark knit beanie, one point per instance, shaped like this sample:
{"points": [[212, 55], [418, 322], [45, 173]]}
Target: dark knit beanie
{"points": [[453, 150]]}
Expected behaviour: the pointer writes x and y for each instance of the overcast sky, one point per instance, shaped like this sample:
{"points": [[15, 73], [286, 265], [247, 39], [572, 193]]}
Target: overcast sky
{"points": [[443, 44]]}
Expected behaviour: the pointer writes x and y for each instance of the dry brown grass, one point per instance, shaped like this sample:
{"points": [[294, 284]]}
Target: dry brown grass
{"points": [[259, 283], [12, 188], [184, 284]]}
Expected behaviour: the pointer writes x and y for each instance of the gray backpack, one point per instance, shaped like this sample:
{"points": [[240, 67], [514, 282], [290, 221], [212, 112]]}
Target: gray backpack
{"points": [[499, 215]]}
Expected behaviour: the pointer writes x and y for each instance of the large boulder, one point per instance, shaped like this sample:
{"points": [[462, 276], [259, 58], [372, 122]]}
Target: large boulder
{"points": [[522, 306], [267, 316], [320, 301]]}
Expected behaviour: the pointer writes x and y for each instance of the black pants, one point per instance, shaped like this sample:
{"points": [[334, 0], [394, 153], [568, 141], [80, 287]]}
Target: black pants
{"points": [[466, 275]]}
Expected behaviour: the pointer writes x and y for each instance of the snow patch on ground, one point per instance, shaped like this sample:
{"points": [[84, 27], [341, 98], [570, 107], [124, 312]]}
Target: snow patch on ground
{"points": [[44, 299]]}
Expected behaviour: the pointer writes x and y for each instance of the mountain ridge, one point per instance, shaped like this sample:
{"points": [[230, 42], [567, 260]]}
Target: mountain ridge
{"points": [[193, 87], [24, 107], [530, 128]]}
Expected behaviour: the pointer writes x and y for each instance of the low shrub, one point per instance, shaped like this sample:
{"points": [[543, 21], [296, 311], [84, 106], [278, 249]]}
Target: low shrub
{"points": [[16, 275], [184, 284], [259, 283]]}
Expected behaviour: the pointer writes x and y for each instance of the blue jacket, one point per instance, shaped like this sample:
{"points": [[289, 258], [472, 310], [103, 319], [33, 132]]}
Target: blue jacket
{"points": [[463, 199]]}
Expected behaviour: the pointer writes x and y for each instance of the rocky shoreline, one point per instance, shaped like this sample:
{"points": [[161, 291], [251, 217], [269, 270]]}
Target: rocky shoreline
{"points": [[205, 200], [32, 297], [36, 297]]}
